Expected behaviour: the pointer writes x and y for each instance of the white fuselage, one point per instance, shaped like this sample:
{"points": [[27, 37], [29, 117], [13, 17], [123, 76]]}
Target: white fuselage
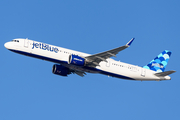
{"points": [[61, 55]]}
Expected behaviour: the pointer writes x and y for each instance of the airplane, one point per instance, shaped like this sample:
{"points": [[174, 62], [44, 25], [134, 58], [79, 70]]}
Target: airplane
{"points": [[73, 62]]}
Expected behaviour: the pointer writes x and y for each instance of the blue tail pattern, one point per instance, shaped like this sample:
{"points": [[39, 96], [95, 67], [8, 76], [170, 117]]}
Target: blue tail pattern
{"points": [[159, 63]]}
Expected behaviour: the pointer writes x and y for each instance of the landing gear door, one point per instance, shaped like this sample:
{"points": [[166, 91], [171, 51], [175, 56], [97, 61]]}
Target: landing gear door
{"points": [[26, 43]]}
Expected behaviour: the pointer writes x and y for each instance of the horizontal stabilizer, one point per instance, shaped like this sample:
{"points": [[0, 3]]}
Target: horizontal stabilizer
{"points": [[164, 73]]}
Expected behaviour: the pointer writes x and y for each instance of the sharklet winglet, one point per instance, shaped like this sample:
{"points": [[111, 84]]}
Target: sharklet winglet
{"points": [[130, 42]]}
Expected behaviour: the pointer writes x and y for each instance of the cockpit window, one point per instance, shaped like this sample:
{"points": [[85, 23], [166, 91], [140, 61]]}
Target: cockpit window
{"points": [[15, 40]]}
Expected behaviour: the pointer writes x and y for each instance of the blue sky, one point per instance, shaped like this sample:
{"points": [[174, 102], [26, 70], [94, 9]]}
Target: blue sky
{"points": [[29, 90]]}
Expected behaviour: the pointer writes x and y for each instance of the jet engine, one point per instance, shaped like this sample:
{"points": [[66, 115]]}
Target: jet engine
{"points": [[60, 70], [76, 60]]}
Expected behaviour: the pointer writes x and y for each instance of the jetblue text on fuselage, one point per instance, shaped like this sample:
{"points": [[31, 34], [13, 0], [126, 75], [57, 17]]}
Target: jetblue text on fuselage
{"points": [[45, 47]]}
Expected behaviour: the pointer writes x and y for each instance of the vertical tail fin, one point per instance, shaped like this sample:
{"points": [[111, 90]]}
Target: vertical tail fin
{"points": [[159, 63]]}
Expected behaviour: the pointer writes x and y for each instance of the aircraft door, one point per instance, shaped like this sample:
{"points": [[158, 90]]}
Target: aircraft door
{"points": [[143, 72], [26, 43], [108, 63]]}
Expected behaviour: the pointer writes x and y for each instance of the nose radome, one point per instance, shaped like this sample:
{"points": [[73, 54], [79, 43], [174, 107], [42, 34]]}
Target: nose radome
{"points": [[6, 45]]}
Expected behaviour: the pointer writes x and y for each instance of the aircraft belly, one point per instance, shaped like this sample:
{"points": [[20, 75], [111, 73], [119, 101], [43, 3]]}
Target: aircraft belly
{"points": [[83, 69]]}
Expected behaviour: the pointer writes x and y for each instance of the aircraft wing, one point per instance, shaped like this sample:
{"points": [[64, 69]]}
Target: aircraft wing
{"points": [[97, 58], [79, 73]]}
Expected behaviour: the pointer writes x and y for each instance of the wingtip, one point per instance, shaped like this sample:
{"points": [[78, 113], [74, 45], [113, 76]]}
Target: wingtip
{"points": [[173, 71], [130, 42]]}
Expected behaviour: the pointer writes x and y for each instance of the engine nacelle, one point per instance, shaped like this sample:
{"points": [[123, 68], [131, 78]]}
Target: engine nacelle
{"points": [[60, 70], [76, 60]]}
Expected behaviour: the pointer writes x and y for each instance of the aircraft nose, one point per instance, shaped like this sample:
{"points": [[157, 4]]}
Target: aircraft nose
{"points": [[6, 45]]}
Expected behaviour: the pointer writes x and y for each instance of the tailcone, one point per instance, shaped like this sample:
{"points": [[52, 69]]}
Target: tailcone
{"points": [[167, 78]]}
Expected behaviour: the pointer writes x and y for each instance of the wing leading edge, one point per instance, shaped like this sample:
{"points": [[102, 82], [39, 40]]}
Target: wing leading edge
{"points": [[95, 59]]}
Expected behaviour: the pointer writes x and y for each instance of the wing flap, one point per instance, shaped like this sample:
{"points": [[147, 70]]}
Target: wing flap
{"points": [[80, 73]]}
